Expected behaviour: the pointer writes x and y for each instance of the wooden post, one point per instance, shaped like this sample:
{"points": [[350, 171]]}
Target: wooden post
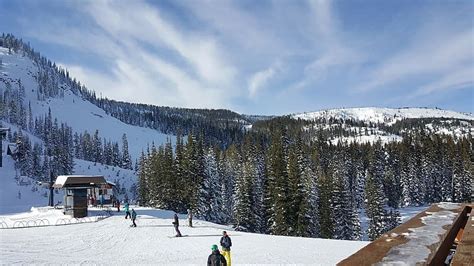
{"points": [[443, 250]]}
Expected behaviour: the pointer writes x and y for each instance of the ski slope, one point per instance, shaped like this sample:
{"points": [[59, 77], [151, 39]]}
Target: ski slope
{"points": [[78, 113], [18, 195], [113, 241]]}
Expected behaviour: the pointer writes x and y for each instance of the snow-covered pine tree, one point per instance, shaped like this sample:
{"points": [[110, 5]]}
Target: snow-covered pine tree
{"points": [[210, 199], [307, 220], [462, 174], [326, 214], [143, 177], [260, 188], [97, 147], [375, 207], [126, 158], [230, 167], [180, 178], [278, 181], [168, 180], [244, 215], [346, 220], [24, 158]]}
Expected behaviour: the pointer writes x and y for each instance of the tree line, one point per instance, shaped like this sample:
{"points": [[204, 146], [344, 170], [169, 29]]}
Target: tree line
{"points": [[287, 184]]}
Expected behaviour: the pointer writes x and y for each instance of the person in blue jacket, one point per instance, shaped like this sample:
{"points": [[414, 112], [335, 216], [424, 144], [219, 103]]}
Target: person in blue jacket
{"points": [[127, 211], [134, 216]]}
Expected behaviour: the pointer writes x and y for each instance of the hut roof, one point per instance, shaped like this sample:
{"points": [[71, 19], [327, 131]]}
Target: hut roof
{"points": [[79, 181]]}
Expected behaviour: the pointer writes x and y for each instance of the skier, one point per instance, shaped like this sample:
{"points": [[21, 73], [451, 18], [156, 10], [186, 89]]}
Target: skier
{"points": [[190, 218], [176, 225], [127, 211], [216, 259], [134, 216], [118, 205], [226, 243]]}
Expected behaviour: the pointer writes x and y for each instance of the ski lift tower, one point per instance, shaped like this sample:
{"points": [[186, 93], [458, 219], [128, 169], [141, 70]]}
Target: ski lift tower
{"points": [[3, 133]]}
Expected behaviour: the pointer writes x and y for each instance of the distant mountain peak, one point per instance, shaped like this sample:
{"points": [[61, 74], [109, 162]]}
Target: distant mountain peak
{"points": [[383, 115]]}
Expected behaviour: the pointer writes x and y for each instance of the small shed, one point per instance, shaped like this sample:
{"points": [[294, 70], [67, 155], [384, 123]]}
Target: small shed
{"points": [[76, 187]]}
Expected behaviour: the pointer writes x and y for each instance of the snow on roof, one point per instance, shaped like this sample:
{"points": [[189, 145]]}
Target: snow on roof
{"points": [[78, 180]]}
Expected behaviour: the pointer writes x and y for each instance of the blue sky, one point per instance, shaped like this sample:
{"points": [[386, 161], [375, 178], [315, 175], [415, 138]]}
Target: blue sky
{"points": [[259, 57]]}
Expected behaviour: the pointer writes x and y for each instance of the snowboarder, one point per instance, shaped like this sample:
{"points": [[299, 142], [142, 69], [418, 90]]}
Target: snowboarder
{"points": [[190, 218], [127, 211], [134, 216], [226, 243], [176, 225], [216, 259], [118, 205]]}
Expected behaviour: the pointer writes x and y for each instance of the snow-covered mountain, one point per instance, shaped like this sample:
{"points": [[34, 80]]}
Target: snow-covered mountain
{"points": [[70, 108], [372, 124], [382, 115]]}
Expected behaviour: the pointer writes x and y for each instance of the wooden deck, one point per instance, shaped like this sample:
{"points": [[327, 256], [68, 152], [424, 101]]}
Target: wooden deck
{"points": [[465, 252], [379, 248]]}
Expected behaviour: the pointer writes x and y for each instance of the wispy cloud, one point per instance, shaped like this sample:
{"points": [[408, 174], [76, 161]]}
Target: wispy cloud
{"points": [[331, 51], [260, 79], [429, 56], [136, 72], [228, 54], [459, 79]]}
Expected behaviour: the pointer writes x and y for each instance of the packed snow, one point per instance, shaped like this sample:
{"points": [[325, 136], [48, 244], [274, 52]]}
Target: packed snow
{"points": [[46, 216], [113, 241], [18, 193]]}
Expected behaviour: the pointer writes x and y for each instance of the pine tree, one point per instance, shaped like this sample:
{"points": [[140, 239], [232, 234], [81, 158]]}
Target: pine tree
{"points": [[375, 207], [126, 158], [278, 178], [210, 199], [143, 180], [326, 215]]}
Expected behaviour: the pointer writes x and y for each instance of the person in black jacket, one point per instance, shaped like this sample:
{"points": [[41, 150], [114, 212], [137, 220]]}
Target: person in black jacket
{"points": [[216, 259], [226, 243], [176, 225]]}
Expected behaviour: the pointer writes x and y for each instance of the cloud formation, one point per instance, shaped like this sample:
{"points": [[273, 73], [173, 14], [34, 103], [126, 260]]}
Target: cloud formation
{"points": [[267, 57]]}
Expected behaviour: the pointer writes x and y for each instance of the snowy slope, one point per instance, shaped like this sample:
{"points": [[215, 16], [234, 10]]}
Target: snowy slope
{"points": [[367, 128], [16, 194], [382, 115], [81, 115], [112, 241]]}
